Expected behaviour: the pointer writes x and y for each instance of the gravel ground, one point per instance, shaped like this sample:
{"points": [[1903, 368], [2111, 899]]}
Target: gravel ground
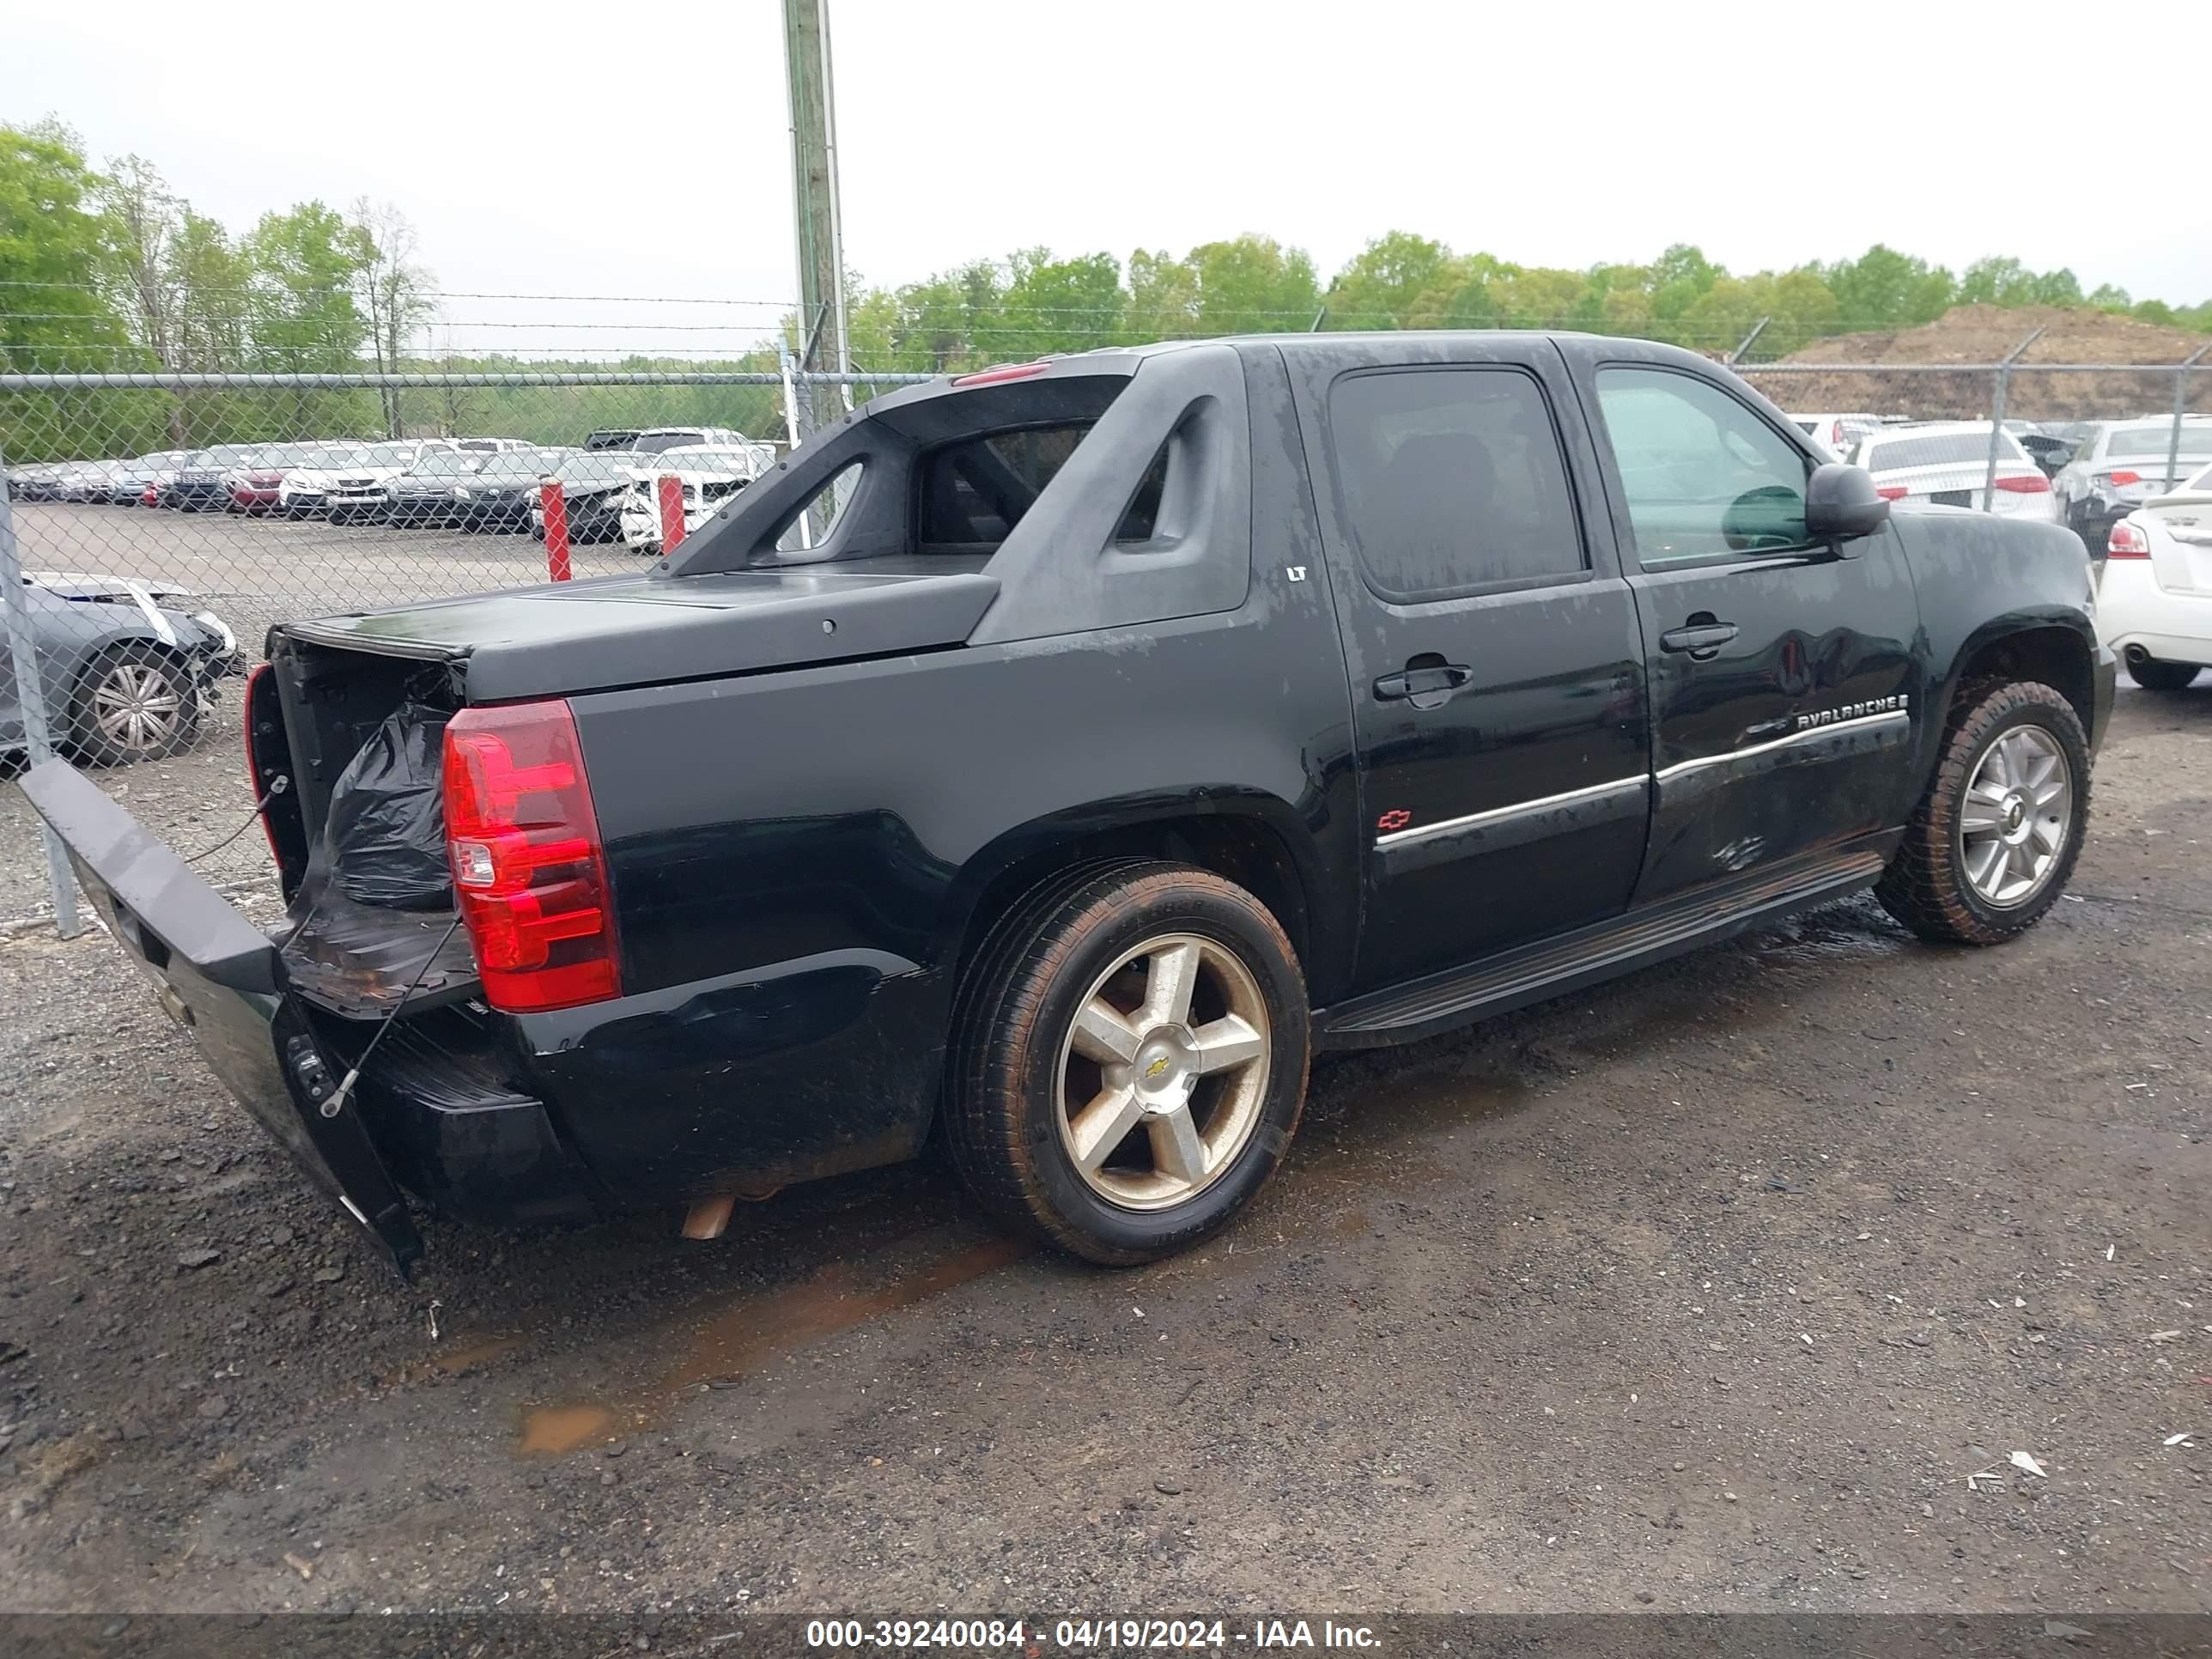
{"points": [[1708, 1291]]}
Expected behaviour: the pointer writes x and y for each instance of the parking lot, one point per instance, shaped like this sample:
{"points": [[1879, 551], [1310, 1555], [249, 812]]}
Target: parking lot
{"points": [[253, 571], [1709, 1289]]}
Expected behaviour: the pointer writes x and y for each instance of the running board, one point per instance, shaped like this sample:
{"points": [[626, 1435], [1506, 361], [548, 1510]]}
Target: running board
{"points": [[1550, 968]]}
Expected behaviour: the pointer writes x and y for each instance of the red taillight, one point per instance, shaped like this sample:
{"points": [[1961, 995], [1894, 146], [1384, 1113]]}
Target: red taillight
{"points": [[1003, 371], [254, 683], [529, 873], [1890, 492], [2127, 477], [2127, 541], [2025, 483]]}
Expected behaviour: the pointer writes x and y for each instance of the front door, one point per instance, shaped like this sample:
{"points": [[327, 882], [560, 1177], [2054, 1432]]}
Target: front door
{"points": [[1785, 693], [1497, 674]]}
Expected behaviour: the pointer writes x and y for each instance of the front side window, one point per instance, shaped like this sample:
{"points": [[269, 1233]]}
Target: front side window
{"points": [[1704, 477], [1452, 480]]}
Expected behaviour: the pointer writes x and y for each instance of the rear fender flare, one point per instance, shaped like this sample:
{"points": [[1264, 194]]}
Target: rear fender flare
{"points": [[1322, 926]]}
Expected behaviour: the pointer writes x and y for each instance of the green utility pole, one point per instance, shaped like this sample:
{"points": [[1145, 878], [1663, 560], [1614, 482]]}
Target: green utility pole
{"points": [[821, 344]]}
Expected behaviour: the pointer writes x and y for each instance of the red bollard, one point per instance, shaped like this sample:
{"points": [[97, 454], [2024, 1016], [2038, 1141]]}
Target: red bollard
{"points": [[555, 503], [671, 513]]}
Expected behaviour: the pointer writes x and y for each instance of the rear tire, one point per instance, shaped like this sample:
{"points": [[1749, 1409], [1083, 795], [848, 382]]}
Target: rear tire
{"points": [[1994, 840], [2153, 675], [1128, 1058]]}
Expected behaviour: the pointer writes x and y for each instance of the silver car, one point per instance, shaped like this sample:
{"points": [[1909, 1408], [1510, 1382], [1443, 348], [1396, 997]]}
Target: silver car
{"points": [[125, 667], [2122, 464]]}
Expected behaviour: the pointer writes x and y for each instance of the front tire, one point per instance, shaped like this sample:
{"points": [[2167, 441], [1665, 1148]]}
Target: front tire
{"points": [[136, 703], [1994, 840], [2153, 675], [1128, 1059]]}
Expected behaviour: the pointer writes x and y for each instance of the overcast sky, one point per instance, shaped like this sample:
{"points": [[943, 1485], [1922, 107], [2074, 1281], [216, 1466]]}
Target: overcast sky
{"points": [[609, 149]]}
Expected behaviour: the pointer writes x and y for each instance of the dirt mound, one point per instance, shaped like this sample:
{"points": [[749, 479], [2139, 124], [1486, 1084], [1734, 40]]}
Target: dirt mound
{"points": [[1983, 334]]}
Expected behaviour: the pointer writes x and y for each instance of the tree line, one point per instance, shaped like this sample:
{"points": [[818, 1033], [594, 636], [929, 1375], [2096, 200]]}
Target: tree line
{"points": [[107, 267]]}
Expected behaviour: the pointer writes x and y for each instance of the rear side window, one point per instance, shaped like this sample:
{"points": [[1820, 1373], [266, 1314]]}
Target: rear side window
{"points": [[1452, 480], [973, 493], [1942, 449]]}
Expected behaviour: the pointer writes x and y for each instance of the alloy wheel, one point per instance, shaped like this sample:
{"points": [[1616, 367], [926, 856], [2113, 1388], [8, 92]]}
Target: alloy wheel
{"points": [[1164, 1072], [2013, 825]]}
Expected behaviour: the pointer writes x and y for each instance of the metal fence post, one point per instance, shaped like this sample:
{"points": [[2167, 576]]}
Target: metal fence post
{"points": [[1997, 417], [31, 704], [1749, 340], [2180, 405]]}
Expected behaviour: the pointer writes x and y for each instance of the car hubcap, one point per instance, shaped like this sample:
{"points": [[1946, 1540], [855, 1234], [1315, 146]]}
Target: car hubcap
{"points": [[2017, 809], [1163, 1074], [135, 707]]}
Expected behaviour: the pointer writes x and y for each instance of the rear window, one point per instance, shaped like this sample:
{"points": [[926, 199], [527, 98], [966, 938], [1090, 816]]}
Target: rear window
{"points": [[652, 443], [2152, 440], [975, 491], [1937, 449]]}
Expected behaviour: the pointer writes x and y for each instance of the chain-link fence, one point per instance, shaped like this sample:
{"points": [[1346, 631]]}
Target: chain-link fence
{"points": [[154, 524]]}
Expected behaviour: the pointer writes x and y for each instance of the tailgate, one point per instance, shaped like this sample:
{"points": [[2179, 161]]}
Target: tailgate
{"points": [[220, 978]]}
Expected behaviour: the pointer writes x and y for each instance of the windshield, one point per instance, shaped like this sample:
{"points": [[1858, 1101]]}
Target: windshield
{"points": [[1935, 449], [513, 463], [444, 464], [652, 443], [714, 460], [332, 455], [2149, 442], [611, 466]]}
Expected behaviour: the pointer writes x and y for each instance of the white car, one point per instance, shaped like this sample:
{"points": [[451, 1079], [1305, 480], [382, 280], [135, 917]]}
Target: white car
{"points": [[711, 474], [1836, 433], [351, 478], [1946, 464], [2154, 596]]}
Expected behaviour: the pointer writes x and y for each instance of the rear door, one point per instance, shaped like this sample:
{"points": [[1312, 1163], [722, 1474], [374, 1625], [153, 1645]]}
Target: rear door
{"points": [[1785, 690], [1497, 679]]}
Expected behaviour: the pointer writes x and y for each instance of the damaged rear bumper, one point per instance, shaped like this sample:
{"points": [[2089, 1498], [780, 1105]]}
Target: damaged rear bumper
{"points": [[223, 981], [783, 1073]]}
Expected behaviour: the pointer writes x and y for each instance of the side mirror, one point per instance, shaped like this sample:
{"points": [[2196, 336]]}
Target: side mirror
{"points": [[1841, 505]]}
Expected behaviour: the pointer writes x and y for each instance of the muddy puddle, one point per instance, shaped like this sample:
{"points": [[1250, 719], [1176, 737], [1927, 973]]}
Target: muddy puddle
{"points": [[738, 1339]]}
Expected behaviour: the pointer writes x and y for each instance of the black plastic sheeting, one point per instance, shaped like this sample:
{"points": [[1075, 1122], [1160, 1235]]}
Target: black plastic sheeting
{"points": [[384, 840]]}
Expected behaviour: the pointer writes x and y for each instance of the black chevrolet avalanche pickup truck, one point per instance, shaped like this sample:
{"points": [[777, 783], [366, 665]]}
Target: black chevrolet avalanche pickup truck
{"points": [[1062, 754]]}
